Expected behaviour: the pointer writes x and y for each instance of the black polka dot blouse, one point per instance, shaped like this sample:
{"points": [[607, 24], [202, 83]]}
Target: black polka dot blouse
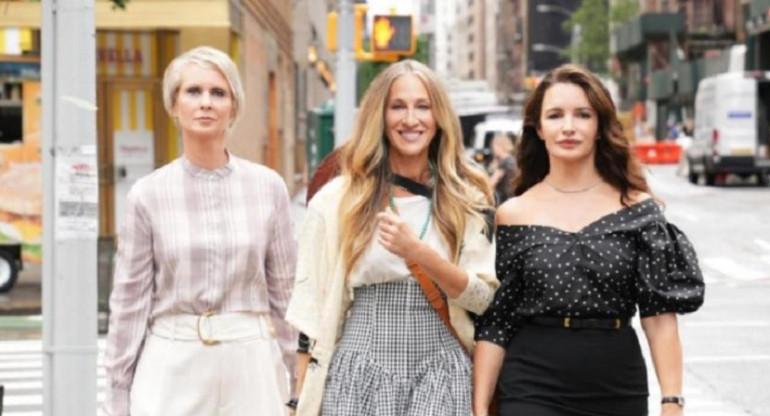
{"points": [[632, 257]]}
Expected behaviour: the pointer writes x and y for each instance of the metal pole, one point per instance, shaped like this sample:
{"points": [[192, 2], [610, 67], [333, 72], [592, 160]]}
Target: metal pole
{"points": [[345, 99], [70, 207]]}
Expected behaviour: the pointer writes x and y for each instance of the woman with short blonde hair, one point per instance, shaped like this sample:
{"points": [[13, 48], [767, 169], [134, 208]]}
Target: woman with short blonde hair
{"points": [[204, 268]]}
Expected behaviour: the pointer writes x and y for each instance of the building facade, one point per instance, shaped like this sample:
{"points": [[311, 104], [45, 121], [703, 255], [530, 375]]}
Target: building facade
{"points": [[314, 67], [660, 56], [757, 26], [133, 47], [445, 49]]}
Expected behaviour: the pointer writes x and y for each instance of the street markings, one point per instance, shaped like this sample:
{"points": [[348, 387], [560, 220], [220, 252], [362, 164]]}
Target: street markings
{"points": [[762, 243], [685, 215], [21, 372], [728, 324], [728, 359], [734, 270]]}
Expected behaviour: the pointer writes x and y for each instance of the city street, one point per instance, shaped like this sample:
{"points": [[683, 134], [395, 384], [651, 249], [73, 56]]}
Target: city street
{"points": [[726, 343]]}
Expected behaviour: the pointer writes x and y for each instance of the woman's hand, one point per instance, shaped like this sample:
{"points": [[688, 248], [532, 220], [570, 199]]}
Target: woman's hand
{"points": [[396, 235]]}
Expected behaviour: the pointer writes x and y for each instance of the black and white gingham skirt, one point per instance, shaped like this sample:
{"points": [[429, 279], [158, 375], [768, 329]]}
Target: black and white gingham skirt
{"points": [[397, 358]]}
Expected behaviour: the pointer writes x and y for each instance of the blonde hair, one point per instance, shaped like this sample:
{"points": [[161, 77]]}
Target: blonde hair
{"points": [[206, 57], [460, 189]]}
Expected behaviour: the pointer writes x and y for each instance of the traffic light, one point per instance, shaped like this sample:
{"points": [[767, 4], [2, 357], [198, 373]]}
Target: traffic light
{"points": [[393, 34], [331, 31]]}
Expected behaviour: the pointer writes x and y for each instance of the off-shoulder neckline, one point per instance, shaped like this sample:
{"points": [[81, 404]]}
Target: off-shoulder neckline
{"points": [[587, 226]]}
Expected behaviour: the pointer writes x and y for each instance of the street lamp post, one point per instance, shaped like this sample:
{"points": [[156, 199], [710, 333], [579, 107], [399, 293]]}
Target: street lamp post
{"points": [[345, 95], [70, 207]]}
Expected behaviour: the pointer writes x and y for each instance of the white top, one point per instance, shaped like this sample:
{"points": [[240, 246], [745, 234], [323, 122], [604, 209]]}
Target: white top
{"points": [[378, 265]]}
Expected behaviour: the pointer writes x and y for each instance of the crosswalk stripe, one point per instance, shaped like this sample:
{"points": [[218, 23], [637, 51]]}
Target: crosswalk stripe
{"points": [[23, 396], [15, 375], [21, 373], [731, 268], [22, 365]]}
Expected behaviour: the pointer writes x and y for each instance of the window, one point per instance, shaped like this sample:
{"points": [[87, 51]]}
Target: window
{"points": [[10, 112]]}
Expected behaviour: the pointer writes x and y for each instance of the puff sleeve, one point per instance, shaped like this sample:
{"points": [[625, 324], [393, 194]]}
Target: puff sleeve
{"points": [[498, 323], [669, 278]]}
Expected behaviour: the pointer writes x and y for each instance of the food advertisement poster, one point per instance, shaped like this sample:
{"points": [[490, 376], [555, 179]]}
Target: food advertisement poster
{"points": [[21, 184]]}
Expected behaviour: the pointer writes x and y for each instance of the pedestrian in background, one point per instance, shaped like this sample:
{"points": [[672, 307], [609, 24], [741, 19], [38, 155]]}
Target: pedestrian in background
{"points": [[502, 169], [579, 249], [204, 268], [407, 208]]}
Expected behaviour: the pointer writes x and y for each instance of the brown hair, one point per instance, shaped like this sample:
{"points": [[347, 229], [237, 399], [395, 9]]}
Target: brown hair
{"points": [[614, 160]]}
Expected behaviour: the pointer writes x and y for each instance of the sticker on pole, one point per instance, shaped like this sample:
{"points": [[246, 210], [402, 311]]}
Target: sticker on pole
{"points": [[77, 194]]}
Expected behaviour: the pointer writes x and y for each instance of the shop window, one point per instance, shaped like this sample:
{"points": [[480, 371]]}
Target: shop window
{"points": [[10, 113]]}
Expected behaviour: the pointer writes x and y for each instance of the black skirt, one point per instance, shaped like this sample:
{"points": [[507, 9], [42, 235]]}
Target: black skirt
{"points": [[573, 372]]}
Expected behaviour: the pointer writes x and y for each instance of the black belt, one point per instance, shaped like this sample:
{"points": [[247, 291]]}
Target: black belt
{"points": [[569, 322]]}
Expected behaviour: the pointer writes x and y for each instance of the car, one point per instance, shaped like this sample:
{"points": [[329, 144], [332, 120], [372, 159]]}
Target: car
{"points": [[10, 264], [731, 132]]}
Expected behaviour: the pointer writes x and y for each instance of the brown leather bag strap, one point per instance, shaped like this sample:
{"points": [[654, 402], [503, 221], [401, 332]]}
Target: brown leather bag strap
{"points": [[433, 295], [435, 298]]}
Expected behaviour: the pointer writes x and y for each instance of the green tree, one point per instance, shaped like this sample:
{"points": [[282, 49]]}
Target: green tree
{"points": [[623, 12], [590, 27]]}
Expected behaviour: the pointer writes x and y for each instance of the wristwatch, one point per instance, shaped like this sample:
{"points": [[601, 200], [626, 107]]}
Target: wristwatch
{"points": [[679, 400]]}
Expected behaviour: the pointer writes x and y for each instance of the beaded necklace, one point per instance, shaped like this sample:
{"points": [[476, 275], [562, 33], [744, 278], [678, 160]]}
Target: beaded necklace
{"points": [[392, 202]]}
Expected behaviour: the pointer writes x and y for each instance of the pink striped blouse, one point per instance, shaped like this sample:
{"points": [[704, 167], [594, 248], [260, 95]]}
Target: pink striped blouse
{"points": [[193, 241]]}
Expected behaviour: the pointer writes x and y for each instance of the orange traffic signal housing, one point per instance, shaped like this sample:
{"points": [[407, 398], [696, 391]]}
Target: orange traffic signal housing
{"points": [[393, 34]]}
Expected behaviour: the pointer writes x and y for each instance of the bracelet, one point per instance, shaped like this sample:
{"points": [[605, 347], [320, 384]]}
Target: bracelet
{"points": [[678, 400], [292, 404]]}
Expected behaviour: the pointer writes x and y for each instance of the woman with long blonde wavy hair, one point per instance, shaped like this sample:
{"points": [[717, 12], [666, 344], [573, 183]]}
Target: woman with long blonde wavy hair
{"points": [[406, 217]]}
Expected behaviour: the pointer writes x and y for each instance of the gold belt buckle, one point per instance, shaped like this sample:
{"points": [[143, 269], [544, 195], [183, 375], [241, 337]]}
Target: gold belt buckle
{"points": [[205, 341], [566, 322]]}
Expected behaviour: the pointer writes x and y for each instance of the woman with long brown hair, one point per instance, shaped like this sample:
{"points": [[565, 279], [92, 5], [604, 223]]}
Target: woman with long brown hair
{"points": [[406, 197], [580, 248]]}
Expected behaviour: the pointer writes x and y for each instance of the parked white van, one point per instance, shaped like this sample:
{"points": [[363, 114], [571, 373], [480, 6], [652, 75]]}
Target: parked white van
{"points": [[732, 131]]}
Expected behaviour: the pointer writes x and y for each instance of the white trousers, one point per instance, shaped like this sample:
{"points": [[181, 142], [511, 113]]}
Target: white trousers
{"points": [[241, 374]]}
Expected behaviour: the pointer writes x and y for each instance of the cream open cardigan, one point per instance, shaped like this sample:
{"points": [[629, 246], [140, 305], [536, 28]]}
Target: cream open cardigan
{"points": [[321, 297]]}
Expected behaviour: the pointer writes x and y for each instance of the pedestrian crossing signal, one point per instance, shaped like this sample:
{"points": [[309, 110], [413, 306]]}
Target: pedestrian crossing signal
{"points": [[393, 34]]}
